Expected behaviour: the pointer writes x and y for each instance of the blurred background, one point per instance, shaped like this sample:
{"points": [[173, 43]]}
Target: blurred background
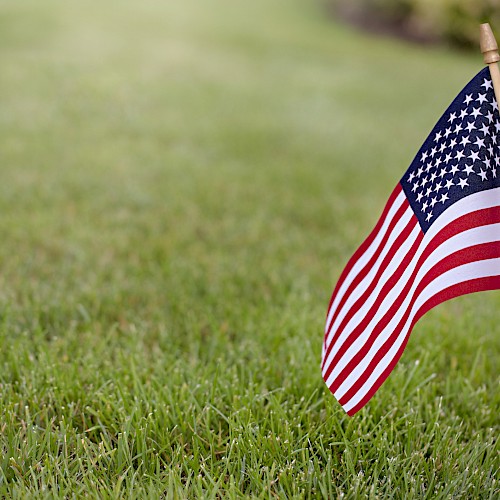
{"points": [[451, 21]]}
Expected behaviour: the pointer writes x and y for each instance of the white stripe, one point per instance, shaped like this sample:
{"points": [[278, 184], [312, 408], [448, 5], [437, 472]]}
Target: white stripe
{"points": [[467, 205], [403, 223], [367, 255], [367, 280], [475, 236], [466, 272], [360, 314]]}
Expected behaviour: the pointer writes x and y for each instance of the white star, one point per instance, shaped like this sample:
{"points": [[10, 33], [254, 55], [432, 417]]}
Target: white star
{"points": [[470, 126], [448, 158], [465, 141], [443, 147], [429, 217], [424, 156], [481, 98], [433, 152], [485, 130], [460, 155], [497, 126], [474, 156], [411, 177], [447, 132], [429, 191], [476, 112], [449, 183], [486, 84], [463, 114], [444, 197], [438, 136], [442, 172], [454, 169], [452, 118], [433, 202], [468, 99], [462, 183], [420, 171], [489, 116], [468, 169], [494, 104], [479, 143], [482, 174], [487, 162], [437, 187], [420, 196], [425, 206]]}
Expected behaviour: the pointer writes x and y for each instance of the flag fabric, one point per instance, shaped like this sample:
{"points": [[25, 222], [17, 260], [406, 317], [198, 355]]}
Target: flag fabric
{"points": [[438, 238]]}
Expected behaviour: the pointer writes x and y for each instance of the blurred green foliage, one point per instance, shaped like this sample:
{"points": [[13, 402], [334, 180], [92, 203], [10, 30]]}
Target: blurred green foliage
{"points": [[454, 21]]}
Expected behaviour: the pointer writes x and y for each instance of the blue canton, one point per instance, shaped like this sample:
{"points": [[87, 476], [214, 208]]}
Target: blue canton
{"points": [[460, 157]]}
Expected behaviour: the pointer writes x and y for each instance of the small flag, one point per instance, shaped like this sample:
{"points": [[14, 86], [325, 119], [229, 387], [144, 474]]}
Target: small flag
{"points": [[438, 238]]}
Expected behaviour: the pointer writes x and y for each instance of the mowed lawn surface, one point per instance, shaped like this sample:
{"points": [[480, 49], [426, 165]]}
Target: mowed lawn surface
{"points": [[181, 184]]}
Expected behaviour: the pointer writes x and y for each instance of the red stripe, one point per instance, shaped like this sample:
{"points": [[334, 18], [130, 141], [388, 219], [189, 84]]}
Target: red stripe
{"points": [[364, 246], [466, 287], [475, 253], [383, 292], [468, 221], [403, 236], [366, 269]]}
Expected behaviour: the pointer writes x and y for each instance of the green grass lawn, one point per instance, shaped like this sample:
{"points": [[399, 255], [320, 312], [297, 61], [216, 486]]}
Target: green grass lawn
{"points": [[181, 183]]}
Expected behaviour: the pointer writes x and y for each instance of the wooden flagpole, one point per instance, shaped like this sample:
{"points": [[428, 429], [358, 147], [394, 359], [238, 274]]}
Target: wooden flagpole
{"points": [[489, 48]]}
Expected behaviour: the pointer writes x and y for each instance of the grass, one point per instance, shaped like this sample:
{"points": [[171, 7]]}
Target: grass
{"points": [[181, 185]]}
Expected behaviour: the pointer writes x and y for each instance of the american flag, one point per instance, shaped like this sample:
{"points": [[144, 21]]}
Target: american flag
{"points": [[438, 238]]}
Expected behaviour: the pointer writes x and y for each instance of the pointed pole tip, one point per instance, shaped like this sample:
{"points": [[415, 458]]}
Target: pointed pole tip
{"points": [[489, 46]]}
